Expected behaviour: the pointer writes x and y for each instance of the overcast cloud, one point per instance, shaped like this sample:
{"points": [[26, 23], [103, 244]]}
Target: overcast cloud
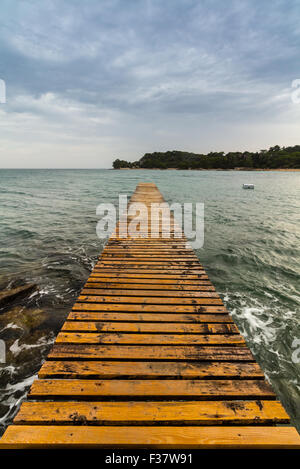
{"points": [[91, 80]]}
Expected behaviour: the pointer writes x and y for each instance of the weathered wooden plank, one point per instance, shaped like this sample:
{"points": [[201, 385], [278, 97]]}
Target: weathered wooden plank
{"points": [[150, 258], [170, 261], [140, 272], [134, 243], [151, 308], [148, 232], [214, 437], [130, 244], [147, 246], [116, 278], [159, 245], [146, 293], [149, 339], [174, 254], [156, 327], [94, 284], [82, 315], [144, 268], [152, 413], [155, 352], [133, 388], [154, 250], [145, 234], [160, 263], [149, 370], [207, 300]]}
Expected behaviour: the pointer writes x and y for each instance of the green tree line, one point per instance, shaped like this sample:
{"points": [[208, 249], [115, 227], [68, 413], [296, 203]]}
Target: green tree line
{"points": [[274, 158]]}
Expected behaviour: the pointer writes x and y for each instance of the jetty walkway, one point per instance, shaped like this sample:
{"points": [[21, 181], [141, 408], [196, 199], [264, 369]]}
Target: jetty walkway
{"points": [[149, 357]]}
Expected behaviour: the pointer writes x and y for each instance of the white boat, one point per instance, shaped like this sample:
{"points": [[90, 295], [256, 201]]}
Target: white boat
{"points": [[248, 186]]}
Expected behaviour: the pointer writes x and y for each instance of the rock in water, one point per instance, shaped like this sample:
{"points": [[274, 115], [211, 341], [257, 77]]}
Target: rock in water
{"points": [[6, 296], [23, 319]]}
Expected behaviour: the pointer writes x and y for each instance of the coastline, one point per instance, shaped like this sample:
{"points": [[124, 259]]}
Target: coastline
{"points": [[212, 169]]}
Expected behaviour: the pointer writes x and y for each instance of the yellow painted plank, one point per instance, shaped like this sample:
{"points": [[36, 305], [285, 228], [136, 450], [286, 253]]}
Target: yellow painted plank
{"points": [[149, 370], [256, 437], [155, 352], [95, 314], [207, 300], [149, 339], [152, 413], [149, 327], [167, 388]]}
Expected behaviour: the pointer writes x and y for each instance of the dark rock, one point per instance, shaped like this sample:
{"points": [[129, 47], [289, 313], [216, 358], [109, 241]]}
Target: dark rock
{"points": [[9, 295]]}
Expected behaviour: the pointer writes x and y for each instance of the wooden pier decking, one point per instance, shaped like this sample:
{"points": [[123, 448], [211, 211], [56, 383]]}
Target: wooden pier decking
{"points": [[150, 358]]}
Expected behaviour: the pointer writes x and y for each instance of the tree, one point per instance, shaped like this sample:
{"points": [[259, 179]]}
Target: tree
{"points": [[275, 157]]}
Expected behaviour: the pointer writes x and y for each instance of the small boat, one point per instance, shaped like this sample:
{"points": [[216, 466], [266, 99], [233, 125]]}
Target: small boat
{"points": [[248, 186]]}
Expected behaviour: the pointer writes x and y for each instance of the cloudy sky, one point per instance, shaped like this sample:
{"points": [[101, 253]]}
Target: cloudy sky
{"points": [[88, 81]]}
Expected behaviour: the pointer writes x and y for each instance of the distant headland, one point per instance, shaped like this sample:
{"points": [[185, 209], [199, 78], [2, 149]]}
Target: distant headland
{"points": [[275, 158]]}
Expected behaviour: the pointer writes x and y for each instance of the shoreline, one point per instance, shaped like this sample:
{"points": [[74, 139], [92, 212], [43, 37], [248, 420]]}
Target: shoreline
{"points": [[211, 169]]}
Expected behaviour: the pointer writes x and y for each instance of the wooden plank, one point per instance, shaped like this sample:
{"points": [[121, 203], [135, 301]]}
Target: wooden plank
{"points": [[160, 251], [144, 234], [156, 327], [115, 278], [139, 272], [149, 339], [160, 245], [94, 284], [146, 268], [174, 254], [168, 266], [132, 388], [147, 293], [177, 242], [82, 315], [149, 300], [156, 263], [149, 258], [214, 437], [152, 413], [156, 352], [147, 248], [149, 370], [192, 310], [142, 243]]}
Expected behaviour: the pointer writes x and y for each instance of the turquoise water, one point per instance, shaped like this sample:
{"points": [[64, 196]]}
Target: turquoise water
{"points": [[251, 253]]}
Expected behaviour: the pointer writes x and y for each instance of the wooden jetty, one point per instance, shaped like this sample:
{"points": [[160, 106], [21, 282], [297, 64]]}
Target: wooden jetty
{"points": [[150, 358]]}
